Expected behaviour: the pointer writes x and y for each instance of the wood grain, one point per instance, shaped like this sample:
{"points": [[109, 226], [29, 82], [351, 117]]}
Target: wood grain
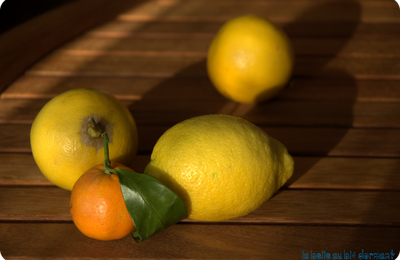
{"points": [[299, 28], [137, 88], [285, 207], [20, 169], [60, 64], [198, 44], [273, 3], [338, 117], [19, 47], [300, 141], [275, 11], [326, 173], [147, 111], [182, 241], [330, 173]]}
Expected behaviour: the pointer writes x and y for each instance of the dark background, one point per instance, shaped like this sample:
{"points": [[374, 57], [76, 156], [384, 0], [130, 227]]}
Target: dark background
{"points": [[15, 12]]}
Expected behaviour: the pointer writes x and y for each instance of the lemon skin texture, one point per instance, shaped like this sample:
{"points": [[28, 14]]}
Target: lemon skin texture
{"points": [[250, 60], [223, 167], [60, 141]]}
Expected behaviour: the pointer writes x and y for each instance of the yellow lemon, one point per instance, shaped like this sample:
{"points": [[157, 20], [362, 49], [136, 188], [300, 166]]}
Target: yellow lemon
{"points": [[223, 167], [66, 134], [250, 60]]}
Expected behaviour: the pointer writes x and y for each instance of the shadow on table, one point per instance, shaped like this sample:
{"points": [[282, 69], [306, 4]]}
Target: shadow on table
{"points": [[308, 68], [290, 125], [311, 65]]}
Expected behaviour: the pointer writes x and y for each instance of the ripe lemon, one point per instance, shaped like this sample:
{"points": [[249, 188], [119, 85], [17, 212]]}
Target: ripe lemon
{"points": [[250, 60], [66, 134], [223, 167]]}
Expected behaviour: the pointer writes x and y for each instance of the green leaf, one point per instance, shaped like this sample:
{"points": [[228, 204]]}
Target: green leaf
{"points": [[152, 206]]}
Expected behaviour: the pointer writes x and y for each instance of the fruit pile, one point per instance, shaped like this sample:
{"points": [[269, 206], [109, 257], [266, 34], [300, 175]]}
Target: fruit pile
{"points": [[209, 168], [72, 139]]}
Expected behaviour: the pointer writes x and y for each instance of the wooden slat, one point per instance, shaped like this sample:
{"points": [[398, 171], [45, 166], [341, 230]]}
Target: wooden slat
{"points": [[20, 47], [338, 118], [190, 44], [132, 88], [20, 169], [18, 138], [24, 111], [63, 240], [124, 88], [351, 90], [285, 207], [151, 29], [197, 45], [348, 68], [300, 141], [149, 111], [274, 3], [312, 11], [59, 64], [322, 113], [51, 204], [338, 142], [345, 173], [310, 172]]}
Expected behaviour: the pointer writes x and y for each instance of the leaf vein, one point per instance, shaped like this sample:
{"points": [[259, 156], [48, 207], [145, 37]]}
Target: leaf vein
{"points": [[143, 197]]}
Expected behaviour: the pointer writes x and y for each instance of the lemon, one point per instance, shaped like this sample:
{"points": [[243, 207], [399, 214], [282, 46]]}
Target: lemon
{"points": [[66, 134], [250, 60], [223, 167]]}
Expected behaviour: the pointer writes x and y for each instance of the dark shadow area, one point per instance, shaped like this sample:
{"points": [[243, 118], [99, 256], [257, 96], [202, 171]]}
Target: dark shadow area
{"points": [[15, 12], [307, 67], [311, 65], [186, 95], [196, 96]]}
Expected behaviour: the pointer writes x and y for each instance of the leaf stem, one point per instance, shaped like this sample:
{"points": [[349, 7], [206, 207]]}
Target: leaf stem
{"points": [[107, 162]]}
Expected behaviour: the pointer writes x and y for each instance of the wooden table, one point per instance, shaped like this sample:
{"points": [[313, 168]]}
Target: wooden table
{"points": [[339, 118]]}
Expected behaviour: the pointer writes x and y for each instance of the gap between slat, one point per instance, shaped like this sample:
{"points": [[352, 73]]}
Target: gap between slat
{"points": [[323, 173]]}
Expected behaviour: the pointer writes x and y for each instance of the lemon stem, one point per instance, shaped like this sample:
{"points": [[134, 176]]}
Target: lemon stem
{"points": [[94, 129], [107, 162]]}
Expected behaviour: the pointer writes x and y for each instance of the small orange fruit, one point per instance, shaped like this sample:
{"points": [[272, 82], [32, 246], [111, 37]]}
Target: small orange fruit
{"points": [[98, 207]]}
